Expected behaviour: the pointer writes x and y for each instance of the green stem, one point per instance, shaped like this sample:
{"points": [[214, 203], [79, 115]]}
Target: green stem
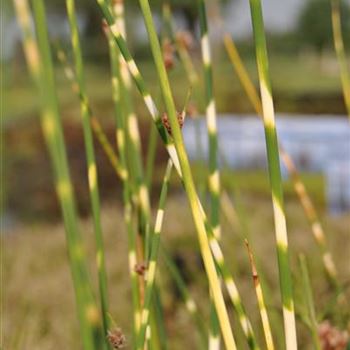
{"points": [[39, 61], [91, 163], [340, 51], [127, 188], [260, 297], [187, 177], [214, 175], [299, 186], [151, 270], [275, 175], [133, 135], [179, 156], [151, 154]]}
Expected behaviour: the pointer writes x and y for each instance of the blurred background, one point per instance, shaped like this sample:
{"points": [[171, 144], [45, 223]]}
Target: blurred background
{"points": [[311, 122]]}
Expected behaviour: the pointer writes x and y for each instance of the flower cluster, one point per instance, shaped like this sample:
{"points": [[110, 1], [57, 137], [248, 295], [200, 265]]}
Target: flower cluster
{"points": [[331, 337]]}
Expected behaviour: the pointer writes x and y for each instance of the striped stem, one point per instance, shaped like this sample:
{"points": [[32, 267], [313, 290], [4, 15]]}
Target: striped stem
{"points": [[340, 51], [189, 186], [242, 74], [91, 162], [299, 187], [151, 154], [155, 241], [214, 175], [260, 297], [233, 292], [95, 124], [127, 189], [187, 177], [275, 175], [132, 129], [40, 65], [107, 147], [152, 266], [312, 216], [177, 155]]}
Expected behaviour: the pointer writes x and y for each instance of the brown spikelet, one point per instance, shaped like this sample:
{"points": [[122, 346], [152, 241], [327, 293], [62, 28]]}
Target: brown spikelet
{"points": [[116, 338], [140, 268], [166, 122], [168, 54], [192, 111], [331, 337], [185, 39]]}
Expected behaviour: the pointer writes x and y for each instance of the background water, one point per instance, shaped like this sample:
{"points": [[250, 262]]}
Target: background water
{"points": [[316, 143]]}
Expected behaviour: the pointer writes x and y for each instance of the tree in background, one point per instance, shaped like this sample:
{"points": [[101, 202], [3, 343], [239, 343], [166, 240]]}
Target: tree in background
{"points": [[315, 27], [186, 8]]}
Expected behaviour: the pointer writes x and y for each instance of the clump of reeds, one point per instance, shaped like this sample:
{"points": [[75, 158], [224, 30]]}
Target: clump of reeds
{"points": [[126, 157]]}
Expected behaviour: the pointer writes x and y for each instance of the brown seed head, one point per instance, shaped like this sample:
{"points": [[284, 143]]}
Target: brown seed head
{"points": [[185, 39], [116, 338], [331, 337], [192, 111], [168, 61], [140, 268], [168, 53], [166, 122]]}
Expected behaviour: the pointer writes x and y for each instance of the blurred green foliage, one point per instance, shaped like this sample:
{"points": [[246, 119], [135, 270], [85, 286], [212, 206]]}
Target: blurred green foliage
{"points": [[315, 27], [188, 10]]}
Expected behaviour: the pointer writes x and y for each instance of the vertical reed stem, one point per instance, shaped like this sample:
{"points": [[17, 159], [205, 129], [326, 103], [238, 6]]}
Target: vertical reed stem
{"points": [[40, 65], [127, 190], [260, 297], [299, 187], [340, 51], [196, 207], [214, 175], [187, 176], [91, 162], [275, 175], [151, 270]]}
